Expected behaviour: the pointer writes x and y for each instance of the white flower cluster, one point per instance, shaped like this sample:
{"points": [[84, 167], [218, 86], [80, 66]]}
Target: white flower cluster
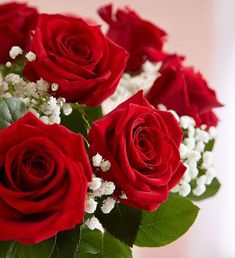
{"points": [[130, 84], [98, 189], [33, 94], [196, 157], [99, 162], [15, 51], [93, 223]]}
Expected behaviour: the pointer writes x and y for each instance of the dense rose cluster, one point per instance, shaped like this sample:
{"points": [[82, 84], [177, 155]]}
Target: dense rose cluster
{"points": [[153, 138]]}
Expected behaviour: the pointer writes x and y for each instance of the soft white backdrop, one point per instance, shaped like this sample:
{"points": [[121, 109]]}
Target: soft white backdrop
{"points": [[204, 31]]}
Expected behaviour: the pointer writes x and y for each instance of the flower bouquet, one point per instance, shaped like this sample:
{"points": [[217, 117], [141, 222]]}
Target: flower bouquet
{"points": [[106, 139]]}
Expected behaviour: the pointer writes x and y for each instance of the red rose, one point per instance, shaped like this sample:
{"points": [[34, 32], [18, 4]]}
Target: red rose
{"points": [[142, 39], [182, 89], [142, 144], [16, 23], [84, 63], [43, 182]]}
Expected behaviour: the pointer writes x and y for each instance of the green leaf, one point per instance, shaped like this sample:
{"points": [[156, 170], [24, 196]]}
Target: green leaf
{"points": [[170, 221], [81, 115], [7, 248], [11, 109], [74, 122], [95, 244], [122, 222], [66, 244], [93, 113], [210, 145], [211, 190], [12, 249]]}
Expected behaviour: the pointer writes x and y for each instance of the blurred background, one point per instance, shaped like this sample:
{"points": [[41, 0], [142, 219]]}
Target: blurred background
{"points": [[204, 31]]}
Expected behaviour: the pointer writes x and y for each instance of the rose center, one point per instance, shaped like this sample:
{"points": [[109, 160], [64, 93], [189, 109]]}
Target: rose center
{"points": [[38, 167], [36, 164]]}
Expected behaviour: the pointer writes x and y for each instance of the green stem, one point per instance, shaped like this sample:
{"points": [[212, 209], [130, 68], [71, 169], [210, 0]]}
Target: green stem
{"points": [[84, 117]]}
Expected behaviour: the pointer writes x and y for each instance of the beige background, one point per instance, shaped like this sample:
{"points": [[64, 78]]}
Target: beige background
{"points": [[204, 31]]}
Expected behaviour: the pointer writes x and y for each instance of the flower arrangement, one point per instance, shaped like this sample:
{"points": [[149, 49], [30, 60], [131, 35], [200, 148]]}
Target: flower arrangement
{"points": [[106, 139]]}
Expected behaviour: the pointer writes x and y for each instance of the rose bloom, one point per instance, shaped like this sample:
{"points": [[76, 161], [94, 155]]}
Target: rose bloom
{"points": [[16, 22], [44, 176], [185, 91], [85, 64], [142, 144], [142, 39]]}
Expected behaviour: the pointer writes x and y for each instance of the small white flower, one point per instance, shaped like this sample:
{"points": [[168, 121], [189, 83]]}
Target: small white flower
{"points": [[51, 107], [55, 119], [14, 78], [190, 143], [212, 132], [207, 159], [199, 190], [105, 165], [210, 175], [186, 178], [100, 191], [96, 160], [186, 122], [184, 150], [95, 183], [109, 187], [15, 51], [91, 205], [123, 196], [8, 64], [203, 127], [30, 56], [54, 86], [31, 90], [202, 135], [193, 156], [162, 107], [107, 205], [184, 189], [67, 109], [201, 180], [193, 170], [191, 132], [42, 86], [200, 146], [93, 223]]}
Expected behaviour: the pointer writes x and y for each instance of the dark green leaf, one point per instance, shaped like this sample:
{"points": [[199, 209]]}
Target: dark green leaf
{"points": [[74, 122], [7, 248], [210, 145], [10, 110], [122, 222], [81, 115], [12, 249], [211, 190], [170, 221], [95, 244], [93, 113], [66, 244]]}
